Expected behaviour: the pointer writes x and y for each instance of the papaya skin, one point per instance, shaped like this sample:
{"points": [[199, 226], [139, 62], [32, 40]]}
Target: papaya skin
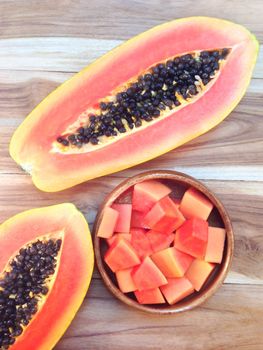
{"points": [[75, 268], [32, 151]]}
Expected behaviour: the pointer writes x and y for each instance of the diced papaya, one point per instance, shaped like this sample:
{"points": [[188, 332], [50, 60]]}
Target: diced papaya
{"points": [[192, 237], [125, 281], [147, 193], [124, 220], [172, 262], [147, 275], [177, 244], [159, 241], [177, 289], [215, 245], [198, 273], [137, 219], [195, 204], [121, 255], [108, 223], [140, 242], [164, 216], [149, 296], [117, 237]]}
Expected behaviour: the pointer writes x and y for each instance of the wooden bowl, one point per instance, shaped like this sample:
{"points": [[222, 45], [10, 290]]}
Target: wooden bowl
{"points": [[179, 182]]}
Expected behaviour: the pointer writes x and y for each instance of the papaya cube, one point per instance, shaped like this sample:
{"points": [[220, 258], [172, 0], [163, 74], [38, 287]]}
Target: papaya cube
{"points": [[121, 255], [192, 237], [117, 237], [149, 296], [147, 275], [108, 223], [172, 262], [195, 204], [140, 242], [137, 219], [198, 273], [124, 220], [215, 244], [125, 281], [177, 243], [164, 216], [147, 193], [177, 289], [159, 240]]}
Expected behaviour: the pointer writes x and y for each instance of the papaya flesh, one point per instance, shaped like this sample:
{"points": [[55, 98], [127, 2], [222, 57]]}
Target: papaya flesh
{"points": [[151, 94], [46, 263]]}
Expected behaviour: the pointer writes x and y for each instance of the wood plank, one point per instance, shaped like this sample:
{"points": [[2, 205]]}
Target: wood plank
{"points": [[230, 320], [114, 19], [17, 192], [63, 54]]}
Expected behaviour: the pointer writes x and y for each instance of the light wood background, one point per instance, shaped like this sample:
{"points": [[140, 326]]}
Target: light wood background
{"points": [[42, 43]]}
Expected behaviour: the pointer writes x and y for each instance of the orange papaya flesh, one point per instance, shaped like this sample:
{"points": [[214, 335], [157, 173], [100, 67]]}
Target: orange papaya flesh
{"points": [[147, 275], [215, 245], [177, 202], [149, 296], [108, 223], [199, 272], [121, 255], [124, 220], [177, 289], [137, 219], [195, 204], [140, 242], [192, 237], [116, 237], [37, 145], [172, 262], [42, 247], [147, 193], [159, 241], [125, 281], [164, 217]]}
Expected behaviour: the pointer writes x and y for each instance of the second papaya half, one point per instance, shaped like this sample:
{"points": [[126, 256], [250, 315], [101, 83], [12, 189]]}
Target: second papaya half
{"points": [[151, 94]]}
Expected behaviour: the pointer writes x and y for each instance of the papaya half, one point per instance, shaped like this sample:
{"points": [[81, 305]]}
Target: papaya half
{"points": [[46, 263], [151, 94]]}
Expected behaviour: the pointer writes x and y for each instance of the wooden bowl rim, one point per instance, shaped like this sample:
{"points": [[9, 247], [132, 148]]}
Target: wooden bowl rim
{"points": [[189, 181]]}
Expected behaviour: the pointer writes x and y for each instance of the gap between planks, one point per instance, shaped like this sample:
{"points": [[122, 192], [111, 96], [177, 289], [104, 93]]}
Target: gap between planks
{"points": [[115, 18], [237, 173]]}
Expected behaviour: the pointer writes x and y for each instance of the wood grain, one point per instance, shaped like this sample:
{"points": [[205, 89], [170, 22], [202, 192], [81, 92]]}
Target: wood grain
{"points": [[115, 19], [41, 45], [63, 54], [226, 322]]}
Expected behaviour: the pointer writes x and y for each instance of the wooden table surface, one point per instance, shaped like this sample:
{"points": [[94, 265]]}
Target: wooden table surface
{"points": [[42, 43]]}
